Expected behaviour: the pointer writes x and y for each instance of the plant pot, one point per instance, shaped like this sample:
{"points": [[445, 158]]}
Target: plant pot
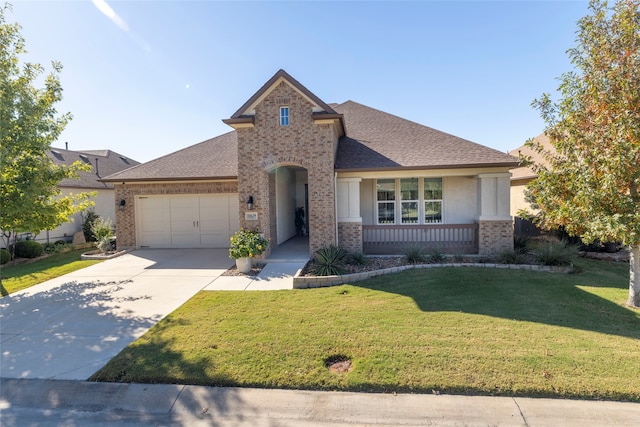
{"points": [[244, 264]]}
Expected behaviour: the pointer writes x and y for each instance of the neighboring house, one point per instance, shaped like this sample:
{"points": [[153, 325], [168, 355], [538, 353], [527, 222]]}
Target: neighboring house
{"points": [[103, 163], [369, 181], [522, 175]]}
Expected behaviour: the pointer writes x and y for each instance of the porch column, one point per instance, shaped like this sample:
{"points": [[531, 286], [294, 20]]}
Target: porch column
{"points": [[495, 231], [349, 219]]}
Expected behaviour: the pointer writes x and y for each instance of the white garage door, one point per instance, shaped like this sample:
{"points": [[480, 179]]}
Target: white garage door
{"points": [[189, 221]]}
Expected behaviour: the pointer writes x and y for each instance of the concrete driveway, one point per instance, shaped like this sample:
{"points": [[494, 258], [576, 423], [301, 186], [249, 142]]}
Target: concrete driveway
{"points": [[69, 327]]}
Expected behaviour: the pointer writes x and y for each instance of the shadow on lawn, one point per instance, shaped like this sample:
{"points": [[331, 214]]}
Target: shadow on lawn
{"points": [[553, 299]]}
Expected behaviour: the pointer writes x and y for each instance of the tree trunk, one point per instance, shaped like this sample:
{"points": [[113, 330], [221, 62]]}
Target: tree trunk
{"points": [[634, 276]]}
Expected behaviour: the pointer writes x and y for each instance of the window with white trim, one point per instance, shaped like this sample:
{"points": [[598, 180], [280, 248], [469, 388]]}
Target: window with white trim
{"points": [[284, 116], [409, 201], [432, 200], [386, 201]]}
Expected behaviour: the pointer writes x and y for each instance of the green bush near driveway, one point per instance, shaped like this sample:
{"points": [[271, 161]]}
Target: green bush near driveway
{"points": [[452, 330], [28, 249]]}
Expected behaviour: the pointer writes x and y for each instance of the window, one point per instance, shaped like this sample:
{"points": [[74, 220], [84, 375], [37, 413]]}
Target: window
{"points": [[419, 200], [386, 189], [409, 204], [432, 200], [284, 116]]}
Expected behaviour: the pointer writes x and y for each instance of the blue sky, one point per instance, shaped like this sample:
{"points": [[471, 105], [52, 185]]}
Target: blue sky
{"points": [[147, 78]]}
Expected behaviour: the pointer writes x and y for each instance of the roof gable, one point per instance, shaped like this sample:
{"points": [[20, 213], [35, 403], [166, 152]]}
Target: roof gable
{"points": [[527, 172], [281, 76]]}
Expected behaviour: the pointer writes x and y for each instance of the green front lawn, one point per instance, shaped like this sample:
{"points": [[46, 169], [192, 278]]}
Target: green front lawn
{"points": [[22, 276], [462, 330]]}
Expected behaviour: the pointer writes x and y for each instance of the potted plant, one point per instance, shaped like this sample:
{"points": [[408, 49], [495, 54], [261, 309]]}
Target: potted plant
{"points": [[244, 245]]}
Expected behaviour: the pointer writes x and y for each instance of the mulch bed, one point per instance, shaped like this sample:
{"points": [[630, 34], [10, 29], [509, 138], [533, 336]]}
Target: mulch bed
{"points": [[255, 270]]}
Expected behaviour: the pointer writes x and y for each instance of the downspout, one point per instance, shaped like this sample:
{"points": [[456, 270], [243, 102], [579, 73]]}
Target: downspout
{"points": [[335, 203]]}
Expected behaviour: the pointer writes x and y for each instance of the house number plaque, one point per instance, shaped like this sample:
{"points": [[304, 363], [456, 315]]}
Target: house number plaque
{"points": [[251, 216]]}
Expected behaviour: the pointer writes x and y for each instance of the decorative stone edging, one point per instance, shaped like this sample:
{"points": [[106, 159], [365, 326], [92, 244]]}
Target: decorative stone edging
{"points": [[304, 282], [97, 255]]}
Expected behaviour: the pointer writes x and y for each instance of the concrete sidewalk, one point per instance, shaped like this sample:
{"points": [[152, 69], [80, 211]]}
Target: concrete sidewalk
{"points": [[274, 276], [75, 403]]}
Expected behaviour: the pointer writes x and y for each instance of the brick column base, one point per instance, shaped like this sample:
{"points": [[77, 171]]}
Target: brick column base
{"points": [[495, 237], [350, 236]]}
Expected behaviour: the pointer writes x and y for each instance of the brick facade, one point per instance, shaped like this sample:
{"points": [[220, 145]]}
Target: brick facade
{"points": [[267, 146], [494, 237], [126, 219], [350, 236]]}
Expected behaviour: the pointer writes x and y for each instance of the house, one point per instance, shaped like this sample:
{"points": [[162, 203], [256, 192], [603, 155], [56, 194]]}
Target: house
{"points": [[522, 175], [367, 180], [103, 163]]}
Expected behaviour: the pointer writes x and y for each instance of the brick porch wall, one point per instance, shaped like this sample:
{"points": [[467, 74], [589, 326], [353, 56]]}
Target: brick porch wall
{"points": [[350, 236], [494, 237], [126, 219]]}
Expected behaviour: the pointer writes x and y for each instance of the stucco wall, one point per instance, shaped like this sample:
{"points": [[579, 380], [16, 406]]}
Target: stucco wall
{"points": [[286, 207], [104, 206]]}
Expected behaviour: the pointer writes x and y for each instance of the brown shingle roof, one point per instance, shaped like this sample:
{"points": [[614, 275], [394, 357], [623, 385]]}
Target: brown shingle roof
{"points": [[103, 163], [214, 158], [527, 172], [377, 140]]}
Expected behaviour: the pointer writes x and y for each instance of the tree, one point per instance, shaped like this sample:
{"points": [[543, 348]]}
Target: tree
{"points": [[30, 200], [590, 185]]}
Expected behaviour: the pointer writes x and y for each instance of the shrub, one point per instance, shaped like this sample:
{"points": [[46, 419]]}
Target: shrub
{"points": [[521, 244], [89, 219], [357, 258], [57, 247], [247, 244], [436, 256], [511, 256], [28, 249], [329, 261], [101, 228], [5, 256], [556, 253], [414, 254]]}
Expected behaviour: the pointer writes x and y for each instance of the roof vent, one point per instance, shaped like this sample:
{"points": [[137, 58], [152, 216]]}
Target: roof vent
{"points": [[57, 155], [85, 159], [124, 159]]}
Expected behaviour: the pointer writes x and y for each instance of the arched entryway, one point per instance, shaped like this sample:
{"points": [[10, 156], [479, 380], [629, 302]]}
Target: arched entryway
{"points": [[289, 187]]}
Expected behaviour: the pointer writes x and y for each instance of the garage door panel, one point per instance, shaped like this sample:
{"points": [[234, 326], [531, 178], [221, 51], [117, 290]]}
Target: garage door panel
{"points": [[187, 221]]}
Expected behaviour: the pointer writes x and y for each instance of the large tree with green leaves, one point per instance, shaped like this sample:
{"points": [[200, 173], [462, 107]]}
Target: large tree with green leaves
{"points": [[591, 182], [30, 200]]}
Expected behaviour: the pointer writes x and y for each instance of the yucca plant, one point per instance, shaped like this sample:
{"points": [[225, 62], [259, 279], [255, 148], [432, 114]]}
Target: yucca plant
{"points": [[357, 258], [414, 254], [436, 256], [329, 261]]}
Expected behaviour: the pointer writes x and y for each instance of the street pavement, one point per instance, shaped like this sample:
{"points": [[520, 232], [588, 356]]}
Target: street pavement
{"points": [[78, 403]]}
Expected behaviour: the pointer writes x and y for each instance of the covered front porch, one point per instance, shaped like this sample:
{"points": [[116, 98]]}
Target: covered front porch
{"points": [[447, 211]]}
